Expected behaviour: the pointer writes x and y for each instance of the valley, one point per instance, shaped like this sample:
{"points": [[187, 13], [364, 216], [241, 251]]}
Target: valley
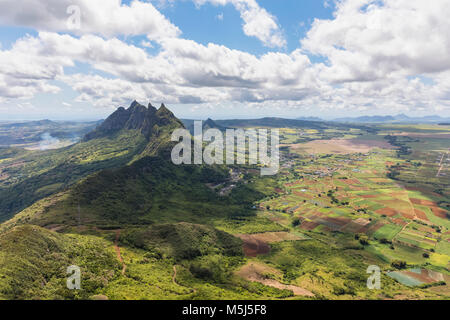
{"points": [[347, 196]]}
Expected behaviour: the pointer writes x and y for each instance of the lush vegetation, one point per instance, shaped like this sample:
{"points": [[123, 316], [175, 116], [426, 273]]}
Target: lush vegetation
{"points": [[140, 227]]}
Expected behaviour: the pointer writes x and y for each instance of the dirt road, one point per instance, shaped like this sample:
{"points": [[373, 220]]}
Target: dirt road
{"points": [[116, 246]]}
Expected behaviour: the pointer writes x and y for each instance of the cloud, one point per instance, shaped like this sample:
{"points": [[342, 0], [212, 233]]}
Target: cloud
{"points": [[370, 39], [104, 17], [379, 56], [257, 21], [192, 69], [23, 75]]}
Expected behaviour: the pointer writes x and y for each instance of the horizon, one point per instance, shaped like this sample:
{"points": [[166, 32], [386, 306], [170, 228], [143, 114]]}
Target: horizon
{"points": [[19, 118]]}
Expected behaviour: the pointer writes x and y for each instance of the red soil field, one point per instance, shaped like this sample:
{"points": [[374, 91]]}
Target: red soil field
{"points": [[253, 247], [387, 211], [421, 215], [423, 202], [424, 276], [351, 181], [438, 212], [407, 215], [340, 221], [398, 194], [357, 188], [354, 227], [293, 184], [317, 214], [309, 225], [258, 243], [399, 221], [302, 194]]}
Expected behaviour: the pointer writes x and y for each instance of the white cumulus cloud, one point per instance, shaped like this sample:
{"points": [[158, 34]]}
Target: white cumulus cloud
{"points": [[104, 17]]}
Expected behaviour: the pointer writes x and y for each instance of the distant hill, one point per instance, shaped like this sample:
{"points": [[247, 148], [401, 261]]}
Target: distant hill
{"points": [[271, 123], [310, 119], [400, 118], [208, 124], [367, 119], [29, 132]]}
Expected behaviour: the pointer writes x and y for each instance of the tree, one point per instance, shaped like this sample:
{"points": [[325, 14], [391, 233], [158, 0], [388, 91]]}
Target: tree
{"points": [[398, 264], [364, 240]]}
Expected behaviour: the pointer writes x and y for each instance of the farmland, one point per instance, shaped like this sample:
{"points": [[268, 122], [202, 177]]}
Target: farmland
{"points": [[389, 192], [345, 198]]}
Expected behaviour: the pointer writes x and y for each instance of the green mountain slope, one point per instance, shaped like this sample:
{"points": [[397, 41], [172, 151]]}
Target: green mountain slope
{"points": [[151, 190], [183, 240], [125, 136], [34, 261]]}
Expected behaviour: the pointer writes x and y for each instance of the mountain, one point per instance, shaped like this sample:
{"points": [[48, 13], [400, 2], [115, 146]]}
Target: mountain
{"points": [[162, 216], [271, 122], [29, 134], [367, 119], [400, 118], [310, 119], [208, 124], [37, 123], [124, 137], [136, 117], [211, 124]]}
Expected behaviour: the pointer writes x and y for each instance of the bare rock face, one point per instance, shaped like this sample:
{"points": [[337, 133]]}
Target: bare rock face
{"points": [[136, 117]]}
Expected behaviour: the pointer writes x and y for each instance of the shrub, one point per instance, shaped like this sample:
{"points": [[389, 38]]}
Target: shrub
{"points": [[296, 222], [364, 240], [398, 264]]}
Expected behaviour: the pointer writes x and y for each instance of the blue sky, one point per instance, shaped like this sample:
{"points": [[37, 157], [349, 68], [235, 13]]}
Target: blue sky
{"points": [[223, 58], [294, 16]]}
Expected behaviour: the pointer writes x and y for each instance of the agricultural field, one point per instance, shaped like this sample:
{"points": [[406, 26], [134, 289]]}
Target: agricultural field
{"points": [[389, 192]]}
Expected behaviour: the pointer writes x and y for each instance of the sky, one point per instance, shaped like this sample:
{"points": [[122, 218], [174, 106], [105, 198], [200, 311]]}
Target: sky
{"points": [[82, 59]]}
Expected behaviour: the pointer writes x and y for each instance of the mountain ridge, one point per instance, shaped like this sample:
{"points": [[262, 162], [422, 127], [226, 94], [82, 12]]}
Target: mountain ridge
{"points": [[136, 117], [400, 118], [126, 136]]}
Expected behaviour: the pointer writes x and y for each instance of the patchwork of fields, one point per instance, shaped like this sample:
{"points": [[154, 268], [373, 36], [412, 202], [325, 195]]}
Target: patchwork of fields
{"points": [[362, 187]]}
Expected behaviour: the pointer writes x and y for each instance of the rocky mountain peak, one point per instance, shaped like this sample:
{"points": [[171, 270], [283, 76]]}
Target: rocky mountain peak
{"points": [[136, 117]]}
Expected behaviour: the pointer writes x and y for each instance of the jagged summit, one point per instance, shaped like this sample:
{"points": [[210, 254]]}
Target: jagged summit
{"points": [[136, 117]]}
